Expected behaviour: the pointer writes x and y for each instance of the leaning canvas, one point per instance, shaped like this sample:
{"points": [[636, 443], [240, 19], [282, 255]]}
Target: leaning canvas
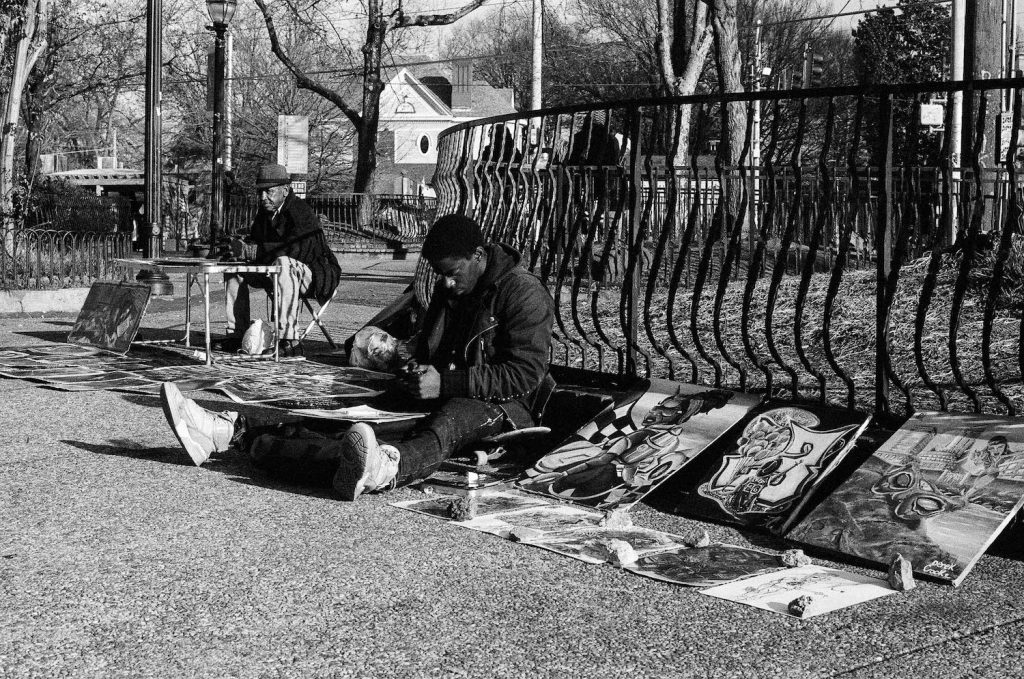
{"points": [[938, 492], [111, 315], [627, 451], [762, 475]]}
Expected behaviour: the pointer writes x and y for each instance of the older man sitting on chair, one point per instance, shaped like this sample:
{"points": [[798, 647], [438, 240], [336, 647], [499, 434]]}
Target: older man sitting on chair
{"points": [[286, 232]]}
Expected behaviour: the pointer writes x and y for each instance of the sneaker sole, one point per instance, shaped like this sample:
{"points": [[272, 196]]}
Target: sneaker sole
{"points": [[194, 450], [351, 478]]}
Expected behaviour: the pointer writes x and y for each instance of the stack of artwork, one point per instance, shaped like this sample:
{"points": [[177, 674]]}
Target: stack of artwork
{"points": [[937, 492]]}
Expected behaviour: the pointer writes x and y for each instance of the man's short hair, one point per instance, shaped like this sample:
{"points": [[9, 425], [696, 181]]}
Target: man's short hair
{"points": [[452, 236]]}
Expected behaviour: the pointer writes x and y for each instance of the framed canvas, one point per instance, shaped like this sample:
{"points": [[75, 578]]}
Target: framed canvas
{"points": [[111, 315], [628, 450], [764, 472], [938, 491]]}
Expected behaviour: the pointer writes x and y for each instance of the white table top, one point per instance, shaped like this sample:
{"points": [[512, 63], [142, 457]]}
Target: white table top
{"points": [[199, 265]]}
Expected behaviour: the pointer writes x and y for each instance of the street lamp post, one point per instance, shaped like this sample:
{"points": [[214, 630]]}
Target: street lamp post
{"points": [[152, 238], [221, 13]]}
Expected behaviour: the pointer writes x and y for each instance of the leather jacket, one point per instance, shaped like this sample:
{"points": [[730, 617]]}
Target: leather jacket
{"points": [[509, 347]]}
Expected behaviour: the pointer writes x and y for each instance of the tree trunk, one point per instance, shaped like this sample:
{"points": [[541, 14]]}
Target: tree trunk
{"points": [[687, 51], [727, 63], [29, 44]]}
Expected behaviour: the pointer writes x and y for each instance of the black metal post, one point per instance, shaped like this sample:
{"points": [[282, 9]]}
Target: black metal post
{"points": [[217, 187], [152, 239]]}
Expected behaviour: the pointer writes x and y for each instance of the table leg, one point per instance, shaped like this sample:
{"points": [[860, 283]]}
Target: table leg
{"points": [[273, 315], [206, 307], [188, 308]]}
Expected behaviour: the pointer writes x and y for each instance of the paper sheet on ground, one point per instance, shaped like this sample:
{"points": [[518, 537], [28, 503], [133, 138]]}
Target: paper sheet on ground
{"points": [[829, 588]]}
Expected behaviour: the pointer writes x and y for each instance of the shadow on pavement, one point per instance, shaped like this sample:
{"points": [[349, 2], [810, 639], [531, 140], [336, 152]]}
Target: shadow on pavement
{"points": [[125, 448]]}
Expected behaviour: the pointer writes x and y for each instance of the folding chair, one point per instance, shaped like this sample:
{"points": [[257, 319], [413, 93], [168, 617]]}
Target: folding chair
{"points": [[317, 315]]}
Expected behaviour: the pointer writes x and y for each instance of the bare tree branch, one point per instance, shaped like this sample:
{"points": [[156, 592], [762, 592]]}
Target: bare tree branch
{"points": [[301, 79], [399, 19]]}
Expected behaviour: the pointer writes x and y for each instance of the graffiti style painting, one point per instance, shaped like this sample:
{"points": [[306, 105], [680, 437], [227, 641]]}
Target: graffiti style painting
{"points": [[626, 451], [938, 492], [766, 474], [705, 566], [111, 315]]}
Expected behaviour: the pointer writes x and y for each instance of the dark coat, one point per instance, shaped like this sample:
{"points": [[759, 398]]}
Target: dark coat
{"points": [[295, 232], [509, 344]]}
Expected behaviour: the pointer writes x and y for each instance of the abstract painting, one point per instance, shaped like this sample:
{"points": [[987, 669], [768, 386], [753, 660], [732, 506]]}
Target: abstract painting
{"points": [[111, 315], [829, 589], [705, 566], [626, 451], [762, 475], [938, 492]]}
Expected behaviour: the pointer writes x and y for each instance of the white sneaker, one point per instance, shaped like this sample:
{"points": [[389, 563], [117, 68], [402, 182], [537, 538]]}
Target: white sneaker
{"points": [[200, 432], [366, 465]]}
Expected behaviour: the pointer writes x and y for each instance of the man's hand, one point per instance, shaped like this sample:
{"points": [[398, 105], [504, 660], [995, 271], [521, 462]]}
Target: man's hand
{"points": [[420, 381]]}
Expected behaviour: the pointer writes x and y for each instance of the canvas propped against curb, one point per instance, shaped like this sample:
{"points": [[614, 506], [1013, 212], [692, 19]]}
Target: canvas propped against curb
{"points": [[938, 492], [111, 315], [625, 452], [764, 475], [829, 589]]}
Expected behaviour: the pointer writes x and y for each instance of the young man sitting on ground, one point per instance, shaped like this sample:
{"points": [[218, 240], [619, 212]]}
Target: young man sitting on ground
{"points": [[480, 362]]}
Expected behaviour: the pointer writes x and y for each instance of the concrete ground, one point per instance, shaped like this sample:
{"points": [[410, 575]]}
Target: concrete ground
{"points": [[118, 558]]}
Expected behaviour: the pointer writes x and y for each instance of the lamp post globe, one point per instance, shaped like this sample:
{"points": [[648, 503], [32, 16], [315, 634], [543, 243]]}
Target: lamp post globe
{"points": [[221, 13]]}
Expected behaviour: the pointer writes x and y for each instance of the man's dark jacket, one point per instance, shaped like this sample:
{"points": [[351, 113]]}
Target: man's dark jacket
{"points": [[509, 338], [295, 232]]}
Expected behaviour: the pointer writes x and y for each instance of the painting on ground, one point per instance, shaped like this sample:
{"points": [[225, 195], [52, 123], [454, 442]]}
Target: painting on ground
{"points": [[599, 545], [628, 450], [705, 566], [829, 589], [762, 475], [938, 492], [111, 315]]}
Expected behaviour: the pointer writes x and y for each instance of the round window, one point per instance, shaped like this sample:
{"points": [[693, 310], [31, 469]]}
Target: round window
{"points": [[424, 144]]}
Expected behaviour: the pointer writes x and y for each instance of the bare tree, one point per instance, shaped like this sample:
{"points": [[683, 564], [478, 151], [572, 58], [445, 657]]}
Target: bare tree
{"points": [[361, 107], [27, 39]]}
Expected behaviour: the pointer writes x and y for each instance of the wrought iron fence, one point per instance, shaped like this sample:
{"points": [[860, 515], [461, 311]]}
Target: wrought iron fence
{"points": [[391, 217], [839, 251], [47, 258]]}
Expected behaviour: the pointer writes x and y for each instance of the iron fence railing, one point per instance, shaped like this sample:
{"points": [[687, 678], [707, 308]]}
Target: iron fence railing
{"points": [[79, 212], [839, 252], [45, 258], [396, 218]]}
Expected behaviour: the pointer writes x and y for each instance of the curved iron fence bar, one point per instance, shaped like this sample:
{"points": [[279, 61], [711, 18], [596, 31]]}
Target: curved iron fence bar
{"points": [[903, 229], [734, 232], [757, 260], [53, 258], [1011, 225], [823, 203], [967, 252], [781, 259]]}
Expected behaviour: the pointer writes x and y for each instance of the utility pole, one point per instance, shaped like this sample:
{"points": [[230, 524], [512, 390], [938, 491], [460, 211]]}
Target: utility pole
{"points": [[228, 106], [755, 133], [956, 117], [538, 54]]}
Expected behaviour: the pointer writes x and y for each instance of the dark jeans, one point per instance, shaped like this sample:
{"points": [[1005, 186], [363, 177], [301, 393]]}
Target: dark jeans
{"points": [[310, 453]]}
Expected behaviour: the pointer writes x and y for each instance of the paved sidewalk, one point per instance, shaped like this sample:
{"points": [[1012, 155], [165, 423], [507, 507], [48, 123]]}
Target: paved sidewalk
{"points": [[118, 558]]}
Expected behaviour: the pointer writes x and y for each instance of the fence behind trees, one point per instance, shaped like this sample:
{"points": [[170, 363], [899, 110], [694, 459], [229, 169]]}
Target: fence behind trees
{"points": [[858, 261]]}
